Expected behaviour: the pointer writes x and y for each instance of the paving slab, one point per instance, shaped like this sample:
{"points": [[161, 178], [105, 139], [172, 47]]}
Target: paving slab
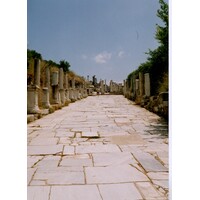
{"points": [[149, 163], [114, 174], [68, 150], [30, 173], [59, 176], [112, 159], [148, 191], [38, 192], [76, 160], [32, 160], [123, 191], [97, 149], [44, 150], [44, 141], [48, 162], [90, 134], [76, 192]]}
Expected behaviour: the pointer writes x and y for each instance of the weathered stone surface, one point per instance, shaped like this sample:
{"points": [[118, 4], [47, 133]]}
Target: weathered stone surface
{"points": [[126, 191], [114, 174], [38, 192], [30, 173], [113, 159], [97, 149], [31, 160], [149, 163], [45, 150], [68, 150], [148, 191], [158, 175], [59, 176], [76, 160], [48, 162], [76, 192], [44, 141]]}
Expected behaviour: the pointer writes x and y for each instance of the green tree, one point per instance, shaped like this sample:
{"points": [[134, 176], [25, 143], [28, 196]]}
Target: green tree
{"points": [[65, 65]]}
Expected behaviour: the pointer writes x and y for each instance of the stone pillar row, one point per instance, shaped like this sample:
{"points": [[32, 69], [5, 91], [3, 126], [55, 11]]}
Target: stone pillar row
{"points": [[138, 87], [61, 92]]}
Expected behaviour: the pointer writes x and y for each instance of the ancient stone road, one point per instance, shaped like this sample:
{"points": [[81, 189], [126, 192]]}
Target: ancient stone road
{"points": [[99, 148]]}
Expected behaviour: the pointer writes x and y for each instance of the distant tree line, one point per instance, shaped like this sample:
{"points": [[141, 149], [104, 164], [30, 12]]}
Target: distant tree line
{"points": [[32, 54], [157, 61]]}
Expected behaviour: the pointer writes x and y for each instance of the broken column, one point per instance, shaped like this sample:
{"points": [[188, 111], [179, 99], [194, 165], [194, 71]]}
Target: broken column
{"points": [[147, 84], [45, 97], [32, 93], [55, 89], [61, 88]]}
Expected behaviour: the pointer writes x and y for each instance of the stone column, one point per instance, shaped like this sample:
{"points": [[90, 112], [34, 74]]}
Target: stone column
{"points": [[32, 93], [137, 87], [111, 86], [61, 88], [147, 84], [124, 89], [66, 88], [141, 84], [55, 89], [45, 97]]}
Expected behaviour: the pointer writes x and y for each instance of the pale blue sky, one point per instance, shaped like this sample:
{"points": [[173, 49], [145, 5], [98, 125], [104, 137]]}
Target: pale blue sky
{"points": [[106, 38]]}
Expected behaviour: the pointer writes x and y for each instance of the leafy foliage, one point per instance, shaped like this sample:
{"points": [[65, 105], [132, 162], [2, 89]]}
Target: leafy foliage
{"points": [[157, 61], [65, 65]]}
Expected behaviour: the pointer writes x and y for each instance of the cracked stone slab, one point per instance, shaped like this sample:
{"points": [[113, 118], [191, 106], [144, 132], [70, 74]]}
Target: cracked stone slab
{"points": [[75, 192], [113, 174], [48, 161], [44, 141], [148, 191], [38, 192], [113, 159], [97, 148], [149, 163], [31, 160], [68, 150], [30, 173], [44, 150], [124, 191], [59, 176]]}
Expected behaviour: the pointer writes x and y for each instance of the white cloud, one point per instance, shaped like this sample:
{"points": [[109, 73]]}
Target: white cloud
{"points": [[121, 54], [102, 57]]}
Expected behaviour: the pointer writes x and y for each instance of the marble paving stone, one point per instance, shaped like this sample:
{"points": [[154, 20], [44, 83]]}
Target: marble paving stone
{"points": [[64, 140], [76, 192], [149, 163], [97, 149], [114, 174], [31, 160], [45, 150], [68, 150], [64, 133], [44, 141], [76, 160], [148, 191], [113, 159], [30, 173], [48, 161], [124, 191], [38, 192], [59, 176], [37, 183]]}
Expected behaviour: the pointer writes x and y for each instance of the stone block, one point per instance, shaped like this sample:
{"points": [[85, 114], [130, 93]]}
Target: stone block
{"points": [[38, 192]]}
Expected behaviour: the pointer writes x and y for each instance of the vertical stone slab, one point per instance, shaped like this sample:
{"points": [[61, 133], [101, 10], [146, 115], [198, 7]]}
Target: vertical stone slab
{"points": [[37, 72], [111, 86], [66, 86], [61, 86], [147, 84], [32, 90], [55, 89], [141, 83], [137, 86], [45, 90]]}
